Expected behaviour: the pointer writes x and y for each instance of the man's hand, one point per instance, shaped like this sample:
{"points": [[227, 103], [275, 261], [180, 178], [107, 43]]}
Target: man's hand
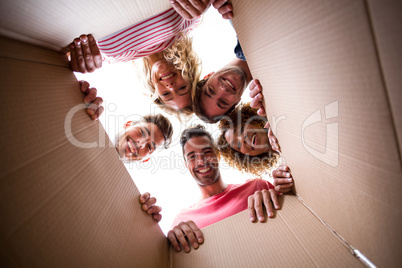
{"points": [[261, 199], [191, 9], [184, 235], [94, 108], [283, 180], [148, 205], [273, 141], [257, 101], [85, 56]]}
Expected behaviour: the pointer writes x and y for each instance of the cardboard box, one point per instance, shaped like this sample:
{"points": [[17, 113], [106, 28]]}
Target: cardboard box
{"points": [[332, 68]]}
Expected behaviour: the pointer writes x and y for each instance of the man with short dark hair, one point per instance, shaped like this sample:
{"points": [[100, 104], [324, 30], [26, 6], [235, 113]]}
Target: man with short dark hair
{"points": [[219, 200], [218, 93]]}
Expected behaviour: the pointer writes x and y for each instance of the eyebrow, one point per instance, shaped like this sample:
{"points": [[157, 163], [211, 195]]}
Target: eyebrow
{"points": [[190, 153], [149, 133]]}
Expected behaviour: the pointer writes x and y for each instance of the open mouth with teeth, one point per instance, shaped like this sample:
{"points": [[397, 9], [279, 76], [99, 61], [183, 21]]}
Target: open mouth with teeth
{"points": [[254, 139], [131, 147], [205, 170], [166, 77], [229, 84]]}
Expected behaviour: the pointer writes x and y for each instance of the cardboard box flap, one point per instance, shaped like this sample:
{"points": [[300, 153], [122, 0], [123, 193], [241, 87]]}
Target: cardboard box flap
{"points": [[387, 25], [62, 204], [54, 24], [294, 238], [326, 101]]}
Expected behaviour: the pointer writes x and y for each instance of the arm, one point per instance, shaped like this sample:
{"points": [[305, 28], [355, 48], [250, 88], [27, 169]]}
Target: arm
{"points": [[148, 205], [184, 235], [94, 103], [283, 180], [191, 9], [260, 200], [85, 56]]}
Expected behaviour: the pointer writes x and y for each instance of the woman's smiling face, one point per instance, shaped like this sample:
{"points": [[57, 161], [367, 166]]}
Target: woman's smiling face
{"points": [[173, 90], [249, 139]]}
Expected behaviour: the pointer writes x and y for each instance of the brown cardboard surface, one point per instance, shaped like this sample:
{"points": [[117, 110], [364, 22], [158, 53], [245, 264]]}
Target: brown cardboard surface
{"points": [[68, 206], [294, 238], [318, 64], [53, 24], [387, 26], [63, 205]]}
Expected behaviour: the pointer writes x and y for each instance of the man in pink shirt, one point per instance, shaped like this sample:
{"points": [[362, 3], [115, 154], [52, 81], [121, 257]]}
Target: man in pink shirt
{"points": [[218, 199]]}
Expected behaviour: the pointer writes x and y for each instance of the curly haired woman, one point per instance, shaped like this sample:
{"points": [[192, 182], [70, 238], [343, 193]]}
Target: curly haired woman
{"points": [[245, 143]]}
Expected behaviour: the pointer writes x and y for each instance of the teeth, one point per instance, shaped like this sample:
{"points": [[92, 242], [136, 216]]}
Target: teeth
{"points": [[229, 83], [130, 146], [167, 77], [204, 170]]}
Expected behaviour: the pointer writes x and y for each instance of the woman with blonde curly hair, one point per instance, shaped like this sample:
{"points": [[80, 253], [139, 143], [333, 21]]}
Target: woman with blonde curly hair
{"points": [[172, 75], [244, 142], [172, 67]]}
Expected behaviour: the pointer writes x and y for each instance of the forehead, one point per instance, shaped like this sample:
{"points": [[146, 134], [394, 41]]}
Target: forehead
{"points": [[197, 144], [155, 133], [229, 134]]}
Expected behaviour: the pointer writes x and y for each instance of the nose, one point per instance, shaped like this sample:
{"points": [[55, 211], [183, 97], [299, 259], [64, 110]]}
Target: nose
{"points": [[240, 141], [141, 142], [200, 160]]}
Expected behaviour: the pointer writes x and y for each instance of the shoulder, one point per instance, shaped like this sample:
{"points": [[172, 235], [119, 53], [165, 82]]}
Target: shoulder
{"points": [[259, 183]]}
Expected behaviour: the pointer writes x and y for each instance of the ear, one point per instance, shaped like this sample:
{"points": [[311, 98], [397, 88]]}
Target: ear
{"points": [[185, 163], [128, 124], [209, 75], [145, 160]]}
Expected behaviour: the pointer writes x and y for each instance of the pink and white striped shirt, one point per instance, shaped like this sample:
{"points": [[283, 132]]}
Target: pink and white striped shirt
{"points": [[146, 37]]}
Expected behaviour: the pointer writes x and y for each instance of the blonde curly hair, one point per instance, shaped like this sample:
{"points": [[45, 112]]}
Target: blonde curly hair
{"points": [[257, 165], [182, 56]]}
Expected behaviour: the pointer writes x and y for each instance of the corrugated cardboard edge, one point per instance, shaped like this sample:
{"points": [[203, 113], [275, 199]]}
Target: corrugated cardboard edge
{"points": [[293, 238], [317, 28], [385, 17], [63, 205], [54, 25]]}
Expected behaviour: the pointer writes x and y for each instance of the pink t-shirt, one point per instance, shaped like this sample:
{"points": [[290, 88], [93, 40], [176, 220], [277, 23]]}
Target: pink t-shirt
{"points": [[232, 200], [146, 37]]}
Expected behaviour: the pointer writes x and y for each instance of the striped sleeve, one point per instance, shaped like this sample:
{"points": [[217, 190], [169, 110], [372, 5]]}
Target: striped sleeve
{"points": [[146, 37]]}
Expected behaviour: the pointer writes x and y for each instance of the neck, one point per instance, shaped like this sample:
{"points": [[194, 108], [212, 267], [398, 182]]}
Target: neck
{"points": [[210, 190], [152, 59]]}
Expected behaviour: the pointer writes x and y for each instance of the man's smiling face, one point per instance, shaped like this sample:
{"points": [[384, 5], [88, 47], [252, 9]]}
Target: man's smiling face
{"points": [[202, 160], [139, 141], [222, 91]]}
